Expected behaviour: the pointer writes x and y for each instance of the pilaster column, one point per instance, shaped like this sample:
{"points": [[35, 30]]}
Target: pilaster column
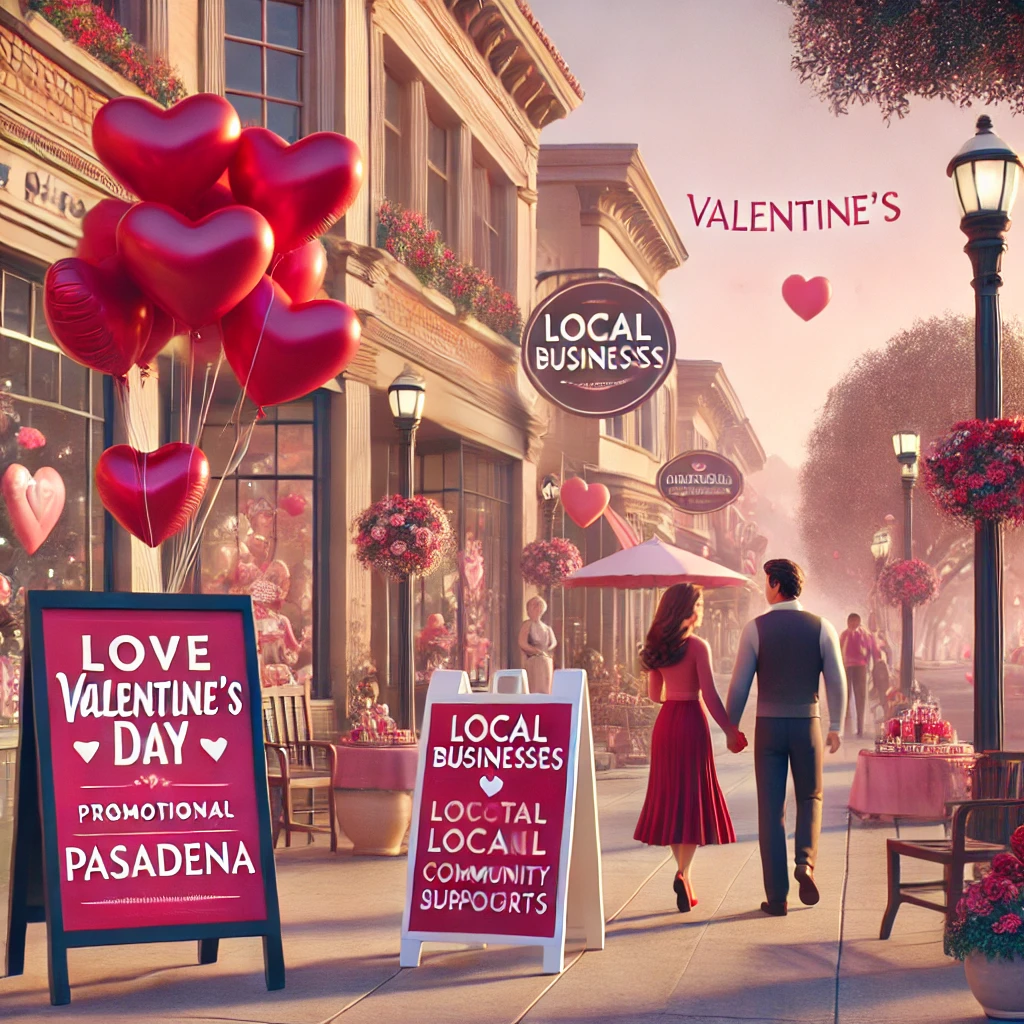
{"points": [[508, 224], [157, 27], [378, 100], [462, 150], [211, 46], [416, 158], [323, 65]]}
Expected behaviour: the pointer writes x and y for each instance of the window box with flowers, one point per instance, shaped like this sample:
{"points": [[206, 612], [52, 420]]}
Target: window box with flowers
{"points": [[88, 26], [408, 237]]}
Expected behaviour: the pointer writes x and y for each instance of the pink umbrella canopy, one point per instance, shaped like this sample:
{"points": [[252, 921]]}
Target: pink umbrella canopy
{"points": [[653, 564]]}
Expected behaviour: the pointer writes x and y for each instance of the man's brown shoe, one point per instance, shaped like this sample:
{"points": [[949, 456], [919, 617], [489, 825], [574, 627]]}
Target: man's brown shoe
{"points": [[775, 909], [809, 894]]}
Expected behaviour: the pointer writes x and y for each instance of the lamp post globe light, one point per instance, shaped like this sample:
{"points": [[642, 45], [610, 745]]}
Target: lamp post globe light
{"points": [[406, 395], [986, 174], [907, 446]]}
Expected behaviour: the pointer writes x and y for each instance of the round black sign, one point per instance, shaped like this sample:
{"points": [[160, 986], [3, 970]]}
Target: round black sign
{"points": [[700, 482], [598, 348]]}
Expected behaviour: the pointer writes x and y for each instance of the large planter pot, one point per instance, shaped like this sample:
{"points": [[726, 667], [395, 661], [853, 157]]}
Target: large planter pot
{"points": [[998, 985], [376, 820]]}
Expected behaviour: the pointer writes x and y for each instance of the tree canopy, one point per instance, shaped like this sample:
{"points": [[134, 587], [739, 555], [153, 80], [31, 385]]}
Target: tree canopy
{"points": [[886, 51]]}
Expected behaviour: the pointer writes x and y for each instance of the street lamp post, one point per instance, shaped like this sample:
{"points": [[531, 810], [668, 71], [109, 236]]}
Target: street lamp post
{"points": [[986, 173], [907, 446], [405, 396], [549, 491]]}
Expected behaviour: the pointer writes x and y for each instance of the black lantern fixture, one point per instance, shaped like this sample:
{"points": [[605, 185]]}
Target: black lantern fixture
{"points": [[406, 396], [986, 173], [549, 492], [907, 446]]}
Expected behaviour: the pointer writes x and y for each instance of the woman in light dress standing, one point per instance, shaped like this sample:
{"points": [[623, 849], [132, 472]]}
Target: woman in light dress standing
{"points": [[537, 641]]}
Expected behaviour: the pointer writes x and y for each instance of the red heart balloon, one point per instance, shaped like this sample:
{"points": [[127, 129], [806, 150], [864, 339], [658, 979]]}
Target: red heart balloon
{"points": [[216, 198], [301, 272], [197, 272], [806, 298], [584, 504], [99, 231], [34, 503], [96, 314], [164, 328], [302, 189], [152, 494], [281, 351], [294, 504], [167, 156]]}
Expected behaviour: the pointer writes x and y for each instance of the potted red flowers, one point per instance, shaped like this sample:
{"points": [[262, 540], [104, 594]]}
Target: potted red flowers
{"points": [[908, 581], [987, 933], [403, 537], [547, 562]]}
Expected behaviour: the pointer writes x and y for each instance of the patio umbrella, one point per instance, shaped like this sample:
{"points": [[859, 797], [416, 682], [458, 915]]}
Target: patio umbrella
{"points": [[653, 564]]}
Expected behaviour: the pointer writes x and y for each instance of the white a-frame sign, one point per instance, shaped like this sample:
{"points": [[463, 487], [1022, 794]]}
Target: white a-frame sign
{"points": [[504, 845]]}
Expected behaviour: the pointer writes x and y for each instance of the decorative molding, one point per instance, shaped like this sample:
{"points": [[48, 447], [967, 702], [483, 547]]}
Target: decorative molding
{"points": [[528, 195], [211, 46]]}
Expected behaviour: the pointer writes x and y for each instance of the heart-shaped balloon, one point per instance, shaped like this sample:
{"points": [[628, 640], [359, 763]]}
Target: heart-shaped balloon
{"points": [[302, 189], [164, 328], [584, 503], [197, 272], [96, 314], [34, 503], [301, 272], [215, 198], [281, 351], [99, 231], [294, 504], [806, 298], [152, 494], [167, 156]]}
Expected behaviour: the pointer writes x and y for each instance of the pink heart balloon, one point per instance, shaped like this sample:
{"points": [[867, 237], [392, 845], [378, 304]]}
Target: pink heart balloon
{"points": [[806, 298], [584, 503], [34, 503]]}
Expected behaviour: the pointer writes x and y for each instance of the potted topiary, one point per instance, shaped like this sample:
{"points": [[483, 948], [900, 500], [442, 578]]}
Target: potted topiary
{"points": [[987, 933]]}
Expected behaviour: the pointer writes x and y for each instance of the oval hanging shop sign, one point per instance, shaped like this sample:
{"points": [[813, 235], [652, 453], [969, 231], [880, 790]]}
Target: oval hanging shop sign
{"points": [[598, 348], [700, 482]]}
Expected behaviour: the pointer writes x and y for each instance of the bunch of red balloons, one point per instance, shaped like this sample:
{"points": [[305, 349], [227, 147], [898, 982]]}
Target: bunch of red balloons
{"points": [[222, 245]]}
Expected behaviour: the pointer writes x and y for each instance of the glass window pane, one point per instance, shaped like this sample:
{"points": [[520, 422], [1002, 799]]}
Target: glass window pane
{"points": [[437, 201], [438, 147], [282, 75], [393, 102], [451, 469], [295, 449], [283, 24], [44, 374], [285, 120], [244, 18], [432, 472], [13, 365], [250, 110], [40, 330], [392, 165], [243, 66], [74, 385], [17, 292], [260, 459]]}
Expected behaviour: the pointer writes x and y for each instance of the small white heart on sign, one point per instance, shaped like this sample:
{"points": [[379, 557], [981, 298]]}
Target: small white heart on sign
{"points": [[215, 748], [87, 751], [491, 786]]}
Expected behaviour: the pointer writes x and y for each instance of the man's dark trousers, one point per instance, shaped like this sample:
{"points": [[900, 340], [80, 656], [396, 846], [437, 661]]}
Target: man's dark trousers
{"points": [[857, 678], [779, 745]]}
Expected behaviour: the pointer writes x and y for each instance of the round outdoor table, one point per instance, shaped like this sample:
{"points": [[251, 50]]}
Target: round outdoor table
{"points": [[909, 785], [373, 795]]}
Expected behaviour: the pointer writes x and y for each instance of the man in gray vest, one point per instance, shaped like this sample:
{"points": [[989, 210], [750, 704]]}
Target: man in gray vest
{"points": [[789, 649]]}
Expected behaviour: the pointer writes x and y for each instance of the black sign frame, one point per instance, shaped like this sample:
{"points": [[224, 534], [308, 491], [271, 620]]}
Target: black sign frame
{"points": [[698, 453]]}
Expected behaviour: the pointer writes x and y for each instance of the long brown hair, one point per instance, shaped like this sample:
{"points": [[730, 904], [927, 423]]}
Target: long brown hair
{"points": [[667, 637]]}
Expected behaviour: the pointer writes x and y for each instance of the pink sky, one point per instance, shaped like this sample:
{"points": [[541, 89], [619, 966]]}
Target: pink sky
{"points": [[705, 88]]}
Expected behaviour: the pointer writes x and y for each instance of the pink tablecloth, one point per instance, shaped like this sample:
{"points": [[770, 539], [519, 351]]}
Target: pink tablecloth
{"points": [[909, 785], [376, 767]]}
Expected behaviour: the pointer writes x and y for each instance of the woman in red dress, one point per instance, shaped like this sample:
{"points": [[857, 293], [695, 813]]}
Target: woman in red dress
{"points": [[684, 807]]}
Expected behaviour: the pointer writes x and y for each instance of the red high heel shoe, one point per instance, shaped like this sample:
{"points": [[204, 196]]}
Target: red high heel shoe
{"points": [[685, 900]]}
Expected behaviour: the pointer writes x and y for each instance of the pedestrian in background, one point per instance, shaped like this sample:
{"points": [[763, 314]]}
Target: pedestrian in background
{"points": [[858, 647]]}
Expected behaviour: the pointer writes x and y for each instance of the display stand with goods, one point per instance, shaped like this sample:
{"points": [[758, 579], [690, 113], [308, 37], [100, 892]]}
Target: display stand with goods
{"points": [[920, 729]]}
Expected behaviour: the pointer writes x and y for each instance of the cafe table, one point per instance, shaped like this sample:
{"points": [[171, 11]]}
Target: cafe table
{"points": [[909, 785]]}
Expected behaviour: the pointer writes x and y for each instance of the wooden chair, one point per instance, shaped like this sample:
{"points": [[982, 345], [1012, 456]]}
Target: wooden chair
{"points": [[297, 763], [980, 829]]}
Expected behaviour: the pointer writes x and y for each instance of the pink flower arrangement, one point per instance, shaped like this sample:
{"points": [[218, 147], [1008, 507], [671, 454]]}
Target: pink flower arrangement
{"points": [[547, 562], [976, 472], [410, 239], [403, 537], [909, 581], [29, 437]]}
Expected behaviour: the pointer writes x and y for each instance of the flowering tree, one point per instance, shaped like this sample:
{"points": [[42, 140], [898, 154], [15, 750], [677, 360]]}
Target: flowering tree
{"points": [[885, 51]]}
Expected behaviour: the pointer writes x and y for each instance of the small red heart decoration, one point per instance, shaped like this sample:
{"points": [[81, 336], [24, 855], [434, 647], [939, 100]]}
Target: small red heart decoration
{"points": [[99, 231], [96, 314], [167, 156], [152, 494], [584, 504], [34, 503], [281, 351], [197, 272], [302, 189], [294, 504], [301, 272], [806, 298]]}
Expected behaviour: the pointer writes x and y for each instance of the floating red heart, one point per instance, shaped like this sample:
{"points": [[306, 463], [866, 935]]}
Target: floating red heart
{"points": [[294, 504], [34, 503], [584, 504], [152, 494], [281, 351], [96, 314], [302, 189], [164, 328], [806, 298], [217, 198], [167, 156], [99, 231], [197, 272], [301, 272]]}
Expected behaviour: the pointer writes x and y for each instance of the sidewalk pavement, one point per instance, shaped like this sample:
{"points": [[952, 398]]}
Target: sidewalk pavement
{"points": [[723, 962]]}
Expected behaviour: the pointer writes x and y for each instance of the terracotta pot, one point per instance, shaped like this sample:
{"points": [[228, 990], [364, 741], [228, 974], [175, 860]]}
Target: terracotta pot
{"points": [[998, 985], [376, 820]]}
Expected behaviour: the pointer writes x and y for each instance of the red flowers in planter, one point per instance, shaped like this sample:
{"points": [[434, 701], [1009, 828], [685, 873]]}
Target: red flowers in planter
{"points": [[402, 537], [547, 562], [976, 472], [909, 581]]}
